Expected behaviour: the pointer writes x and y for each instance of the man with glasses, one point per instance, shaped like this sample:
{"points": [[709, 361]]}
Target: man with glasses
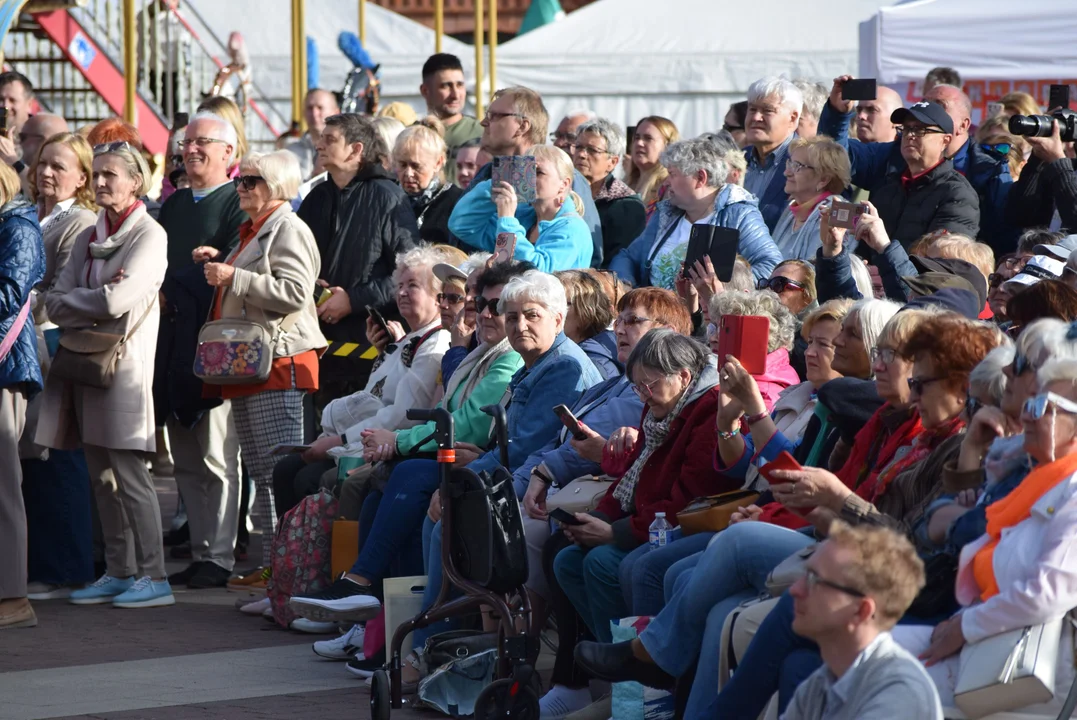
{"points": [[564, 137], [774, 108]]}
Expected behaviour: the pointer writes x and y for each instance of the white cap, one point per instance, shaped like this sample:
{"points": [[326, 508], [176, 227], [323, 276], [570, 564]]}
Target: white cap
{"points": [[1040, 267]]}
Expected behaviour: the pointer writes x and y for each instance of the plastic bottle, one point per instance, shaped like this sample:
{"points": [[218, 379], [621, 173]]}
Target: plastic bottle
{"points": [[659, 531]]}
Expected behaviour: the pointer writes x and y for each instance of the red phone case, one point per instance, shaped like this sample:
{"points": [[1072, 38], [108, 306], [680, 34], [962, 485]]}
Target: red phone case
{"points": [[746, 338], [784, 461]]}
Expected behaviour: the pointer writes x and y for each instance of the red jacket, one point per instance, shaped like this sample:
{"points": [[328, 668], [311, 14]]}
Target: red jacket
{"points": [[679, 471]]}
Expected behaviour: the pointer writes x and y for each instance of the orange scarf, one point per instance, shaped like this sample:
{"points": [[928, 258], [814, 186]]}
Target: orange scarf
{"points": [[1011, 510]]}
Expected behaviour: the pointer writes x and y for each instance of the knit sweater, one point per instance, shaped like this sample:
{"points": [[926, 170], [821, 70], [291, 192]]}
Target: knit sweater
{"points": [[214, 220]]}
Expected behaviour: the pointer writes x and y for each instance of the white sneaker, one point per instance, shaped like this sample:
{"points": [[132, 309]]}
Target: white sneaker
{"points": [[313, 627], [267, 614], [342, 648], [257, 607], [561, 701], [46, 591]]}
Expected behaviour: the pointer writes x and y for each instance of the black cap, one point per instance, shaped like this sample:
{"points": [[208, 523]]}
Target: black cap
{"points": [[958, 300], [954, 266], [929, 113], [930, 283]]}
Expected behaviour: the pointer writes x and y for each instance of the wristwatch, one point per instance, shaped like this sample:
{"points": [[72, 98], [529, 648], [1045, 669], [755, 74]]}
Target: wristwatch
{"points": [[18, 166]]}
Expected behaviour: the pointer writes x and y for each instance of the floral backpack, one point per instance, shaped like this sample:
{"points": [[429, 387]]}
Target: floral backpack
{"points": [[302, 550]]}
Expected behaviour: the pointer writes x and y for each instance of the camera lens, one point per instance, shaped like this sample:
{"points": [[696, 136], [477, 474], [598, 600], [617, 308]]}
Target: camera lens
{"points": [[1031, 125]]}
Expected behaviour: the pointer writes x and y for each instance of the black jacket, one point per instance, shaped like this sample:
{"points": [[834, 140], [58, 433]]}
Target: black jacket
{"points": [[433, 218], [1041, 188], [940, 199], [359, 231], [623, 217]]}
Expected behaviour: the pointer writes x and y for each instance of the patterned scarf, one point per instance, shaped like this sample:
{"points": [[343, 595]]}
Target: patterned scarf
{"points": [[908, 455], [421, 200], [655, 432]]}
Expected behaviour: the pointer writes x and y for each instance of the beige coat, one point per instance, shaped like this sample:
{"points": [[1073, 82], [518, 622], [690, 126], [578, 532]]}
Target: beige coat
{"points": [[275, 276], [120, 418]]}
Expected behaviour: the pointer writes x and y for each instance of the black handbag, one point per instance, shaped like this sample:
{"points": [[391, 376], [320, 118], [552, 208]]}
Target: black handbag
{"points": [[487, 543], [453, 645]]}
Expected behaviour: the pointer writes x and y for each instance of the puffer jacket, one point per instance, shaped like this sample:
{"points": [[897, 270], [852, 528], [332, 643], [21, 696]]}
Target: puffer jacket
{"points": [[22, 265], [939, 199], [359, 231], [735, 208]]}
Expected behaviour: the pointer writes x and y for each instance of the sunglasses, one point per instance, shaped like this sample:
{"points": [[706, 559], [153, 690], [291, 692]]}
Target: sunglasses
{"points": [[732, 128], [1036, 406], [247, 182], [451, 298], [1021, 365], [778, 284], [917, 384], [112, 147], [630, 320], [1003, 148], [482, 303]]}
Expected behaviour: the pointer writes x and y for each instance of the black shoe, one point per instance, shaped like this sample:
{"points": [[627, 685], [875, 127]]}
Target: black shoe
{"points": [[183, 577], [343, 601], [209, 575], [614, 662], [181, 551], [180, 535], [364, 667]]}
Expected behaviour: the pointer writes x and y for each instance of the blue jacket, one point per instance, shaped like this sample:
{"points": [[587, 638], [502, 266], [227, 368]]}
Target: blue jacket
{"points": [[834, 276], [526, 215], [987, 171], [610, 405], [735, 208], [602, 349], [563, 243], [22, 265], [774, 200], [557, 378]]}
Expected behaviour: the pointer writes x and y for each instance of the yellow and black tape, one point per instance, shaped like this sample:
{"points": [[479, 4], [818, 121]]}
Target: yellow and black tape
{"points": [[346, 349]]}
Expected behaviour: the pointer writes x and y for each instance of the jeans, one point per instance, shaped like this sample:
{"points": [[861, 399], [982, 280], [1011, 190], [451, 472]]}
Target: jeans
{"points": [[734, 568], [590, 578], [59, 528], [570, 627], [391, 522], [643, 572]]}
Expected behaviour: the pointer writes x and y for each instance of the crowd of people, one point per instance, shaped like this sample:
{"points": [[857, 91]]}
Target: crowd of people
{"points": [[918, 391]]}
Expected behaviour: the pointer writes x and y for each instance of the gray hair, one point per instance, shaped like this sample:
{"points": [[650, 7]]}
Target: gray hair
{"points": [[758, 302], [134, 164], [873, 316], [226, 130], [859, 270], [695, 155], [609, 131], [581, 112], [742, 279], [537, 287], [475, 261], [667, 352], [788, 94], [988, 376], [1047, 339], [815, 96], [1058, 370], [421, 256], [279, 169]]}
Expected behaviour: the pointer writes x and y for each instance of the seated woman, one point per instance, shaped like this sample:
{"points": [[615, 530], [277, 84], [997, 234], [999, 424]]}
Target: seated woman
{"points": [[817, 168], [590, 312], [419, 161], [699, 194], [559, 239]]}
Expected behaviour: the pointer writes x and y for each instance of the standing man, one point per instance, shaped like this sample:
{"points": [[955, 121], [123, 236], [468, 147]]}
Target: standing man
{"points": [[774, 108], [445, 93], [17, 95], [30, 139], [361, 220], [564, 137], [318, 105], [205, 447], [873, 116]]}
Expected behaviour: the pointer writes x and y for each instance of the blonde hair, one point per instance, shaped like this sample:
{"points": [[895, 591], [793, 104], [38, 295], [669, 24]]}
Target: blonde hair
{"points": [[565, 171], [400, 111], [279, 169], [826, 157], [9, 183], [899, 329], [1019, 103], [835, 310], [647, 183], [961, 247], [736, 161], [225, 108], [996, 130], [528, 103], [84, 196], [422, 138], [388, 129]]}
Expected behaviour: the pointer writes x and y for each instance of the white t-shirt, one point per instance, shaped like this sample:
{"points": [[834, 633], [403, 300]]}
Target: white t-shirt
{"points": [[671, 252]]}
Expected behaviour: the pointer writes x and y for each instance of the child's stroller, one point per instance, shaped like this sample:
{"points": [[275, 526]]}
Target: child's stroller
{"points": [[484, 554]]}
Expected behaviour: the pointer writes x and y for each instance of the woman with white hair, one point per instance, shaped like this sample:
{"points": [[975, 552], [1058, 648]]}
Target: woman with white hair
{"points": [[419, 161], [110, 284], [268, 278], [698, 194]]}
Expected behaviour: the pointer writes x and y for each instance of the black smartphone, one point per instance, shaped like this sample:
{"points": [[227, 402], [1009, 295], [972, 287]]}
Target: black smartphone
{"points": [[378, 319], [716, 242], [3, 118], [564, 517], [1059, 97], [570, 421], [180, 120], [630, 133], [859, 89]]}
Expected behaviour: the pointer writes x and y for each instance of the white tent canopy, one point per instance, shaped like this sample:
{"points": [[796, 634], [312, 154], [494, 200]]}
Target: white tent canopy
{"points": [[684, 59]]}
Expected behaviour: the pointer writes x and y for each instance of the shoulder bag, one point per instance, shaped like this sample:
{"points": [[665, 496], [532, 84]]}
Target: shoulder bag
{"points": [[90, 357], [712, 513], [581, 495], [15, 330], [236, 351]]}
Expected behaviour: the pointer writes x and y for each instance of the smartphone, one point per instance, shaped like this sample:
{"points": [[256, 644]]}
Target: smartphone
{"points": [[180, 120], [564, 517], [321, 295], [518, 171], [859, 89], [1059, 97], [784, 461], [569, 421], [378, 319], [3, 118], [287, 449], [716, 242], [504, 247], [745, 337], [630, 134], [993, 109], [846, 214]]}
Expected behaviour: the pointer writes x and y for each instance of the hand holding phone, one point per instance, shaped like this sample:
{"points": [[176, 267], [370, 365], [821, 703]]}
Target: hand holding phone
{"points": [[504, 248], [519, 171], [859, 89], [378, 319], [564, 517], [784, 461], [1059, 97], [570, 421], [747, 338], [845, 214]]}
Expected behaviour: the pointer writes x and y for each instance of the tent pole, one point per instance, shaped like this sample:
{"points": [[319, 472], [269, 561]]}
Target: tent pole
{"points": [[362, 22], [297, 32], [493, 47], [130, 62], [478, 59], [439, 23], [301, 74]]}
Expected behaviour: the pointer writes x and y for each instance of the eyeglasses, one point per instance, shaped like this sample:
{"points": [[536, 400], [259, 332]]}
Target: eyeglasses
{"points": [[591, 150], [917, 384], [778, 284], [994, 280], [887, 355], [1003, 147], [1021, 365], [569, 138], [1036, 406], [630, 320], [812, 578], [200, 142], [451, 298], [639, 389], [247, 182], [482, 303], [112, 147], [919, 132], [798, 166], [732, 128], [495, 116]]}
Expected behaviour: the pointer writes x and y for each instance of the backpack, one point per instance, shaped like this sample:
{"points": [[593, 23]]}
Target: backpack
{"points": [[302, 553]]}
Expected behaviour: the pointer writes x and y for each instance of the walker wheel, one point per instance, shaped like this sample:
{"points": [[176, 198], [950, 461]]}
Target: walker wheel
{"points": [[507, 699], [380, 700]]}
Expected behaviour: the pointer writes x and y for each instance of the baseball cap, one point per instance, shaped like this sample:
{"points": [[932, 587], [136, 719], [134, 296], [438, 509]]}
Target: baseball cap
{"points": [[445, 272], [954, 266], [958, 300], [1040, 267], [929, 113], [929, 283], [1060, 250]]}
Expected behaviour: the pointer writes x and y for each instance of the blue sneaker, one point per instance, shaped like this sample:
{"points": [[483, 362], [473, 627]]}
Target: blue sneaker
{"points": [[100, 592], [146, 593]]}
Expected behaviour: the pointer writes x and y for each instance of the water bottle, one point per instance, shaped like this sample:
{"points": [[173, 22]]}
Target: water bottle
{"points": [[659, 531]]}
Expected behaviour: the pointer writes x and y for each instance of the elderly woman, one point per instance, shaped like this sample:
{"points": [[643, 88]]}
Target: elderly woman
{"points": [[110, 284], [646, 175], [699, 194], [419, 160], [57, 493], [597, 153], [22, 264], [817, 168], [559, 239], [268, 278], [590, 312]]}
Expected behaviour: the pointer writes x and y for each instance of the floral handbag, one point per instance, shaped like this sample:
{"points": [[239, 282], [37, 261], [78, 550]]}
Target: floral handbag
{"points": [[236, 351]]}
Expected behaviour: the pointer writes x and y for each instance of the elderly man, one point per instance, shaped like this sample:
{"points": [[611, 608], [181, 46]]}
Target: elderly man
{"points": [[318, 105], [445, 93], [564, 137], [873, 117], [32, 136], [600, 144], [516, 121], [941, 76], [205, 447], [774, 109], [987, 171]]}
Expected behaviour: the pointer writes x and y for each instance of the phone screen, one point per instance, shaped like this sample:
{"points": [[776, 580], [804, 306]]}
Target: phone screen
{"points": [[859, 89]]}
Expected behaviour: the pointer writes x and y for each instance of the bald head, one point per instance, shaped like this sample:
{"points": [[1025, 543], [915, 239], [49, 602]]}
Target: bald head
{"points": [[958, 106], [873, 116], [36, 131], [319, 105]]}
